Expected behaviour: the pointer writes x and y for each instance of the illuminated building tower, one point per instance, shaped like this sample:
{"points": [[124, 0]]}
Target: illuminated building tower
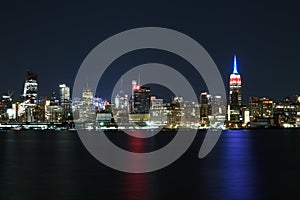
{"points": [[140, 105], [40, 110], [121, 100], [29, 97], [30, 91], [87, 96], [87, 111], [286, 114], [141, 100], [173, 113], [6, 104], [64, 97], [157, 111], [133, 86], [205, 108], [235, 94], [53, 109], [235, 86], [120, 108], [260, 108], [64, 93]]}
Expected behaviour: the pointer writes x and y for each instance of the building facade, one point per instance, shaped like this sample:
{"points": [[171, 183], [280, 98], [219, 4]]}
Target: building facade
{"points": [[234, 115]]}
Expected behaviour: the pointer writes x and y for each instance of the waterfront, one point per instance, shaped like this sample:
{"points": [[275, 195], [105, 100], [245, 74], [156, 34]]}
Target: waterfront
{"points": [[245, 164]]}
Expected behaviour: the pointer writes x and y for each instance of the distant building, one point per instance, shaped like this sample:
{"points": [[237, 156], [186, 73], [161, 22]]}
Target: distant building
{"points": [[174, 114], [218, 111], [53, 110], [157, 112], [30, 91], [140, 105], [121, 108], [40, 110], [260, 108], [87, 109], [65, 102], [286, 114], [64, 94], [133, 86], [6, 107], [121, 100], [205, 109], [99, 103], [29, 97], [212, 110], [235, 86], [234, 115], [104, 118], [140, 100]]}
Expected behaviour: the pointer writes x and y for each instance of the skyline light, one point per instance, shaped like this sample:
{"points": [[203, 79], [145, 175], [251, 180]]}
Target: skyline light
{"points": [[235, 66]]}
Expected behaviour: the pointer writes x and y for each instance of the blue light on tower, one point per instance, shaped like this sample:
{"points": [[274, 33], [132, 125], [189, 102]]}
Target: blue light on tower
{"points": [[235, 65]]}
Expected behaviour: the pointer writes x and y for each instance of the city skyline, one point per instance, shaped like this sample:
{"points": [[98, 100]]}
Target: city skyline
{"points": [[158, 91], [143, 108], [164, 92], [234, 79]]}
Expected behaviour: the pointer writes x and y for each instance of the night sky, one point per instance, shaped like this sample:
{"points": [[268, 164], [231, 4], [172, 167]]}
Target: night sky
{"points": [[53, 38]]}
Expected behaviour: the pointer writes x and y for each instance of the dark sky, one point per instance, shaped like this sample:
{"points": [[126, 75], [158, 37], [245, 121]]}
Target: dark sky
{"points": [[52, 39]]}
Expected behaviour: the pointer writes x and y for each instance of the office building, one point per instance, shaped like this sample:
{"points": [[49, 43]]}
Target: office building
{"points": [[140, 105]]}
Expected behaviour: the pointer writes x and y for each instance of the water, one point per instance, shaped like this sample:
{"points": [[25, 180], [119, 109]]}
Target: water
{"points": [[245, 164]]}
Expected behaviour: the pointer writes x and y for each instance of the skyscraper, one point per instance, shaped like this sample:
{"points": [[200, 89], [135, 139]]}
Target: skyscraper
{"points": [[64, 94], [121, 107], [205, 108], [87, 108], [140, 105], [235, 86], [121, 100], [5, 104], [30, 91], [64, 98], [29, 97], [234, 115], [53, 110], [157, 111], [260, 108], [133, 86], [141, 100]]}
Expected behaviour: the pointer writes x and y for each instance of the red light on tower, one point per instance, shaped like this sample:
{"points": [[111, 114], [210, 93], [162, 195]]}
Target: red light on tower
{"points": [[235, 79]]}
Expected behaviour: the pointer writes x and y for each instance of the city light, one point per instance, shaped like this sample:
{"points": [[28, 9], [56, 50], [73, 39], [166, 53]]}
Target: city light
{"points": [[143, 110]]}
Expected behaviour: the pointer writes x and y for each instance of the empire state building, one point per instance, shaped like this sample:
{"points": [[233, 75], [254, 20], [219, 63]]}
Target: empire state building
{"points": [[235, 86], [235, 96]]}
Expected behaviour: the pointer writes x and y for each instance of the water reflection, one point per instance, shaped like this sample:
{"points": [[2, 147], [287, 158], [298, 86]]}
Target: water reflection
{"points": [[243, 165], [137, 186], [239, 177]]}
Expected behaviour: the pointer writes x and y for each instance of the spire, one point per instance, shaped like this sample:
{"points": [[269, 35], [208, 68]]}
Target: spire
{"points": [[235, 65], [139, 79], [121, 82]]}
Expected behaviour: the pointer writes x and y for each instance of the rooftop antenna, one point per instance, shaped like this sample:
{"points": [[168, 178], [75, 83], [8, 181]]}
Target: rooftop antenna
{"points": [[139, 79], [121, 82], [235, 65], [87, 84]]}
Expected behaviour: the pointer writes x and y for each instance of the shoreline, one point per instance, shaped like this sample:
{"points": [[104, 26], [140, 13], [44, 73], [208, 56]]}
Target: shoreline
{"points": [[23, 126]]}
